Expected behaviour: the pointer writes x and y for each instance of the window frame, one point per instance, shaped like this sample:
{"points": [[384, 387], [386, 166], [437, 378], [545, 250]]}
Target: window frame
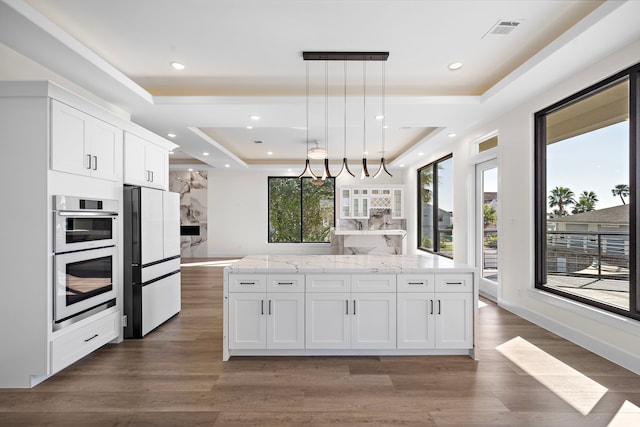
{"points": [[540, 197], [436, 237], [301, 197]]}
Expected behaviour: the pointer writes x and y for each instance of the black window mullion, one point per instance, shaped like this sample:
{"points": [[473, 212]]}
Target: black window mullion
{"points": [[436, 209], [634, 193], [301, 239]]}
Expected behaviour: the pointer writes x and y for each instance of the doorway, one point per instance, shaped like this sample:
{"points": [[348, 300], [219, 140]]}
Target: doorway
{"points": [[487, 238]]}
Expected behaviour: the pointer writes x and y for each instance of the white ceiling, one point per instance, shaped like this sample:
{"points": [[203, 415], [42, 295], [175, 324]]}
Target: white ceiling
{"points": [[244, 57]]}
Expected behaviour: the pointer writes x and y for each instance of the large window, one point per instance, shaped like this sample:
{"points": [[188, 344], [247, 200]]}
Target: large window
{"points": [[435, 207], [586, 182], [300, 210]]}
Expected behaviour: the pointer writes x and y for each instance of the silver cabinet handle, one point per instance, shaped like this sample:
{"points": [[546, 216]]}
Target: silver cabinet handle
{"points": [[269, 307], [454, 283], [439, 307], [431, 306], [262, 307], [247, 283], [285, 283], [354, 307], [416, 283], [89, 339], [346, 303], [95, 163], [89, 161]]}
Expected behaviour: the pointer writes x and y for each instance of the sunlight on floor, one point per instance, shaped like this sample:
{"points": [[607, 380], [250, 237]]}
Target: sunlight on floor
{"points": [[573, 387], [481, 304], [221, 263], [627, 415]]}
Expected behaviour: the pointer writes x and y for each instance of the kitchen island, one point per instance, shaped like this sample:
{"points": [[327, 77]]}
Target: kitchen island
{"points": [[311, 305]]}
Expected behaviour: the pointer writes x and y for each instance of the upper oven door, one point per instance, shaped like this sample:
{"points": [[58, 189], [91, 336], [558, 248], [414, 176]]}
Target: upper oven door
{"points": [[84, 230]]}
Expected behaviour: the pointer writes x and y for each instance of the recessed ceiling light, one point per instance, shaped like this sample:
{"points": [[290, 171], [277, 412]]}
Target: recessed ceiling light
{"points": [[379, 117], [249, 127], [190, 170], [269, 153], [227, 165], [254, 117], [365, 153], [204, 153], [455, 66], [288, 170], [177, 65], [170, 152], [385, 127], [401, 166], [451, 135], [171, 135], [420, 154]]}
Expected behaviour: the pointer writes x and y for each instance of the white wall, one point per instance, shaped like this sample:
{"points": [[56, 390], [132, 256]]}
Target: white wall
{"points": [[611, 336], [238, 213]]}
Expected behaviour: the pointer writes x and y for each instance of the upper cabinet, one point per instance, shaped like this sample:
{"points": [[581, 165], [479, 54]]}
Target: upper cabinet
{"points": [[355, 202], [84, 145], [145, 163]]}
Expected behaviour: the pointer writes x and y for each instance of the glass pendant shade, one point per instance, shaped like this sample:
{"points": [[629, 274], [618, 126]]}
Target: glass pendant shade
{"points": [[383, 167], [345, 168], [365, 172], [326, 173]]}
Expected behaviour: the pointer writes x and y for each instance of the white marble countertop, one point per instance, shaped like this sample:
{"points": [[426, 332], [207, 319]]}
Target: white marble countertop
{"points": [[370, 232], [392, 264]]}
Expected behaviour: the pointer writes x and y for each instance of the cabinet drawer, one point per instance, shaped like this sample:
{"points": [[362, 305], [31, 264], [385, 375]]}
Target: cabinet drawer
{"points": [[285, 283], [373, 283], [328, 282], [454, 282], [247, 282], [416, 283], [70, 347]]}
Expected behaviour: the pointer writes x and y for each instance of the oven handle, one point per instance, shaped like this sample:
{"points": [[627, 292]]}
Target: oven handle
{"points": [[87, 213]]}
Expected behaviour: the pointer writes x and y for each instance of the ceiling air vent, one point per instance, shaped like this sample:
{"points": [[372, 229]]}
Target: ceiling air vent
{"points": [[502, 28], [257, 141]]}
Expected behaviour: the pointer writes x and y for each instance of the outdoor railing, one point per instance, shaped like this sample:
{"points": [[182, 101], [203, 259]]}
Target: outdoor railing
{"points": [[582, 253]]}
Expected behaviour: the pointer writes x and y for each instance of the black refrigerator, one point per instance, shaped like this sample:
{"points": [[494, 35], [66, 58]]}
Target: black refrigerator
{"points": [[151, 253]]}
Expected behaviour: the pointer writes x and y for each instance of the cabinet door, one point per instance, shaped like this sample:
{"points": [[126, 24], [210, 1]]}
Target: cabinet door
{"points": [[373, 320], [396, 203], [416, 328], [151, 227], [345, 203], [157, 163], [327, 320], [67, 140], [285, 320], [454, 320], [104, 144], [134, 160], [247, 321]]}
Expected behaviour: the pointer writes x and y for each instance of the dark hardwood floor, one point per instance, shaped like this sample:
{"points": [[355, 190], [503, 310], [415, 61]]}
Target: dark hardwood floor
{"points": [[525, 376]]}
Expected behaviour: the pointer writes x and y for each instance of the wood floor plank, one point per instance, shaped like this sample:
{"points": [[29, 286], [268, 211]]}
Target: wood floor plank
{"points": [[175, 377]]}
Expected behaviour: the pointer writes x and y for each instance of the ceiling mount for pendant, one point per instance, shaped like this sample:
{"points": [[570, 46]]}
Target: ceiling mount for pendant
{"points": [[345, 56]]}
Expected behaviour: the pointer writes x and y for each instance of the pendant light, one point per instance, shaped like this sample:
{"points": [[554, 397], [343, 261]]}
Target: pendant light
{"points": [[345, 165], [365, 172], [307, 172], [326, 173], [383, 165]]}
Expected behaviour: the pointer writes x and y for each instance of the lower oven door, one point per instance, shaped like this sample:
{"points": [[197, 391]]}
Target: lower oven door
{"points": [[83, 280]]}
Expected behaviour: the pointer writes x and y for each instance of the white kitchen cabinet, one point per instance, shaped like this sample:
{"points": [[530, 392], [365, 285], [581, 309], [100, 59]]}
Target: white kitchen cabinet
{"points": [[145, 163], [84, 145], [356, 202], [351, 320], [159, 211], [266, 320], [328, 320], [434, 319], [454, 320]]}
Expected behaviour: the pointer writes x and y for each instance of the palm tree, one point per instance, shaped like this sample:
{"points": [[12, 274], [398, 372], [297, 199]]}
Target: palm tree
{"points": [[621, 190], [586, 202], [561, 197], [488, 214]]}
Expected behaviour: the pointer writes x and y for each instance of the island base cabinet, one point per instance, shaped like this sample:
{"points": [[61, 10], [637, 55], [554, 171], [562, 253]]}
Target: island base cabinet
{"points": [[454, 320], [416, 320], [260, 321], [351, 321], [327, 320]]}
